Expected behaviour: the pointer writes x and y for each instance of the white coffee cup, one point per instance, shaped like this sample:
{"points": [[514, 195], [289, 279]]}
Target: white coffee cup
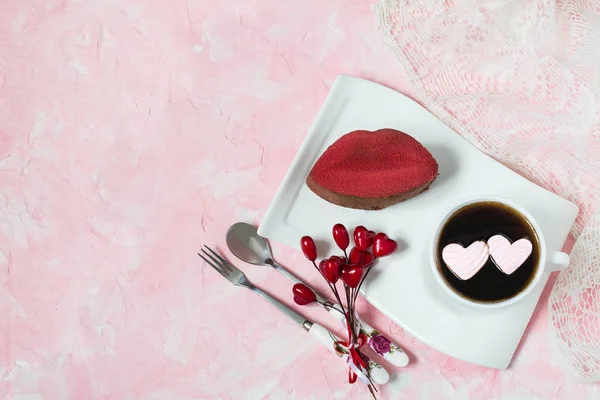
{"points": [[548, 261]]}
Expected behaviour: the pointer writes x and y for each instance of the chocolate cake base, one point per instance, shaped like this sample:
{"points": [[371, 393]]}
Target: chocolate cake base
{"points": [[362, 203]]}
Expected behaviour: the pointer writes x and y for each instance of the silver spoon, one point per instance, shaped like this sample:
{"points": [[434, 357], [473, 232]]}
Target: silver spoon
{"points": [[246, 244]]}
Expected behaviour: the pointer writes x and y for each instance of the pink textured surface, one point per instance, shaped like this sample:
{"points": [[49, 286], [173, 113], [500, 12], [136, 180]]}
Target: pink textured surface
{"points": [[132, 132]]}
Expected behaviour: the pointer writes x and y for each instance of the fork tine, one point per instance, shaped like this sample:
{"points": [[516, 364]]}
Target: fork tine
{"points": [[222, 266], [214, 260], [219, 270], [223, 261]]}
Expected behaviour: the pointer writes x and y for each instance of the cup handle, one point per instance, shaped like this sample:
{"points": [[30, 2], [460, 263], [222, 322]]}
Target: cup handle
{"points": [[557, 261]]}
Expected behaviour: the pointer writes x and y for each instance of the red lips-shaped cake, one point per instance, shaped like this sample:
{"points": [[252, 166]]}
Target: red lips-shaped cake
{"points": [[372, 170]]}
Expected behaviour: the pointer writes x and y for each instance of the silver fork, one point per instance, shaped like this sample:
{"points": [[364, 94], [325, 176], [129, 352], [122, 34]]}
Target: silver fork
{"points": [[378, 374]]}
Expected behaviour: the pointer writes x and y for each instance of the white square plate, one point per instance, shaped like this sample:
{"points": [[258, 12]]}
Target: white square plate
{"points": [[402, 285]]}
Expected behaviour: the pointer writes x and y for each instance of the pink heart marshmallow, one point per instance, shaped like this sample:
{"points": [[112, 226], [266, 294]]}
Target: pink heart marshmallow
{"points": [[465, 263], [509, 257]]}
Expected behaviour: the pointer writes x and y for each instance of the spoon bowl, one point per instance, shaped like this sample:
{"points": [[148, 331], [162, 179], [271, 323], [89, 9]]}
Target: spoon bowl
{"points": [[246, 244]]}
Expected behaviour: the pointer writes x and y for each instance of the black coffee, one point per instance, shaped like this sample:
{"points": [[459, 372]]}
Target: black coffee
{"points": [[480, 221]]}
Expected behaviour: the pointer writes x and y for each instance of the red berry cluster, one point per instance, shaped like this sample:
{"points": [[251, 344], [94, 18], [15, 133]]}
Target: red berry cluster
{"points": [[352, 267]]}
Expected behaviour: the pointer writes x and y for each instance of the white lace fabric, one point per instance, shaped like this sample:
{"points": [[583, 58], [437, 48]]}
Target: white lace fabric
{"points": [[520, 80]]}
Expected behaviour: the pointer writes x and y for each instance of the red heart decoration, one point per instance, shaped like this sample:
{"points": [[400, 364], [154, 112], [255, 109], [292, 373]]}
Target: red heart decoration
{"points": [[330, 269], [363, 238], [308, 247], [351, 275], [340, 235], [303, 294], [382, 245], [355, 256], [358, 257]]}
